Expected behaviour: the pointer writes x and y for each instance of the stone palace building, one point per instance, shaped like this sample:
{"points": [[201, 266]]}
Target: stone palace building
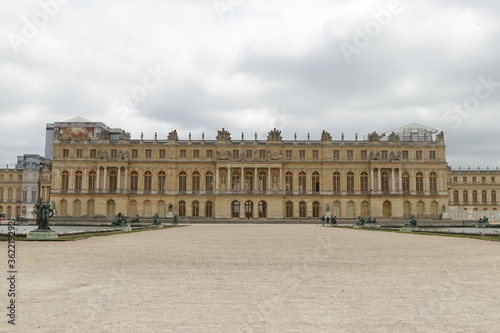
{"points": [[92, 170]]}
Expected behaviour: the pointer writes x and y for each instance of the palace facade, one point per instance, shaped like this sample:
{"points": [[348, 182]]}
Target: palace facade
{"points": [[100, 171]]}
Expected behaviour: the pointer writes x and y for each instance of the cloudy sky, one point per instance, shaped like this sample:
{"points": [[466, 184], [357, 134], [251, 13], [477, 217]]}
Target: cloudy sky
{"points": [[249, 66]]}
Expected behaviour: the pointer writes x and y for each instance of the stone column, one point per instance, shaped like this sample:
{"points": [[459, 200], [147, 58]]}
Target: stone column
{"points": [[98, 179], [217, 179], [379, 185], [372, 180], [268, 180], [125, 185], [229, 178], [281, 179], [104, 187], [118, 181], [392, 176], [242, 179], [255, 180], [400, 180]]}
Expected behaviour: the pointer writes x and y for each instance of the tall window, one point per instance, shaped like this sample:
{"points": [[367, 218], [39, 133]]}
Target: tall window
{"points": [[336, 209], [387, 209], [302, 209], [78, 180], [64, 207], [465, 196], [474, 196], [350, 209], [113, 177], [196, 181], [162, 181], [92, 178], [433, 182], [494, 196], [289, 209], [209, 182], [77, 208], [420, 209], [182, 208], [196, 209], [132, 208], [336, 181], [484, 196], [302, 182], [365, 209], [65, 180], [434, 209], [406, 209], [288, 182], [419, 182], [406, 182], [148, 176], [455, 196], [249, 209], [161, 208], [134, 181], [235, 209], [315, 209], [315, 181], [235, 181], [262, 181], [249, 181], [364, 182], [385, 181], [90, 208], [208, 209], [350, 181], [182, 181], [262, 209]]}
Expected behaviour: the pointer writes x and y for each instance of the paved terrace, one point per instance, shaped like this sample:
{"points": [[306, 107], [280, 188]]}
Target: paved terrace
{"points": [[257, 278]]}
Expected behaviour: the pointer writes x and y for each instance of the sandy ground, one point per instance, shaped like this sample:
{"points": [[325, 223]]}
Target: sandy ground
{"points": [[257, 278]]}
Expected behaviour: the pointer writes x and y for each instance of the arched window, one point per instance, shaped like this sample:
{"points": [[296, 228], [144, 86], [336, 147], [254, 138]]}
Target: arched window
{"points": [[406, 209], [315, 209], [302, 209], [433, 182], [420, 209], [262, 181], [289, 182], [465, 196], [92, 178], [9, 194], [455, 196], [384, 178], [351, 213], [434, 209], [65, 180], [419, 182], [302, 182], [336, 211], [336, 181], [289, 209], [33, 194], [78, 180], [209, 182], [350, 181], [315, 182], [196, 182], [148, 176], [182, 181], [249, 181], [474, 196], [113, 181], [235, 209], [262, 209], [387, 209], [363, 180], [1, 194], [111, 208], [494, 196], [24, 210], [195, 209], [162, 182], [77, 208], [209, 209], [484, 196], [365, 209], [134, 181], [132, 208], [147, 209], [182, 208], [90, 208], [162, 211], [406, 182], [64, 207], [235, 181], [248, 209]]}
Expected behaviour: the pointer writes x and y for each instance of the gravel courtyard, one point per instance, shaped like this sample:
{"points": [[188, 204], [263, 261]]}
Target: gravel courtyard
{"points": [[257, 278]]}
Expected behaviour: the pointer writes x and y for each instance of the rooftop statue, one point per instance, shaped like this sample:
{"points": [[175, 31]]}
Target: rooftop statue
{"points": [[325, 136], [172, 136], [274, 135], [374, 136], [223, 135]]}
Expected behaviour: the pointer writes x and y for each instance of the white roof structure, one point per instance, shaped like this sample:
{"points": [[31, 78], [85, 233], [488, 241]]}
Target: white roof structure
{"points": [[78, 120], [415, 132]]}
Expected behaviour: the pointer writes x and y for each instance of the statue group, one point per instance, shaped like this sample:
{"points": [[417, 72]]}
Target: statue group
{"points": [[412, 222], [43, 213]]}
